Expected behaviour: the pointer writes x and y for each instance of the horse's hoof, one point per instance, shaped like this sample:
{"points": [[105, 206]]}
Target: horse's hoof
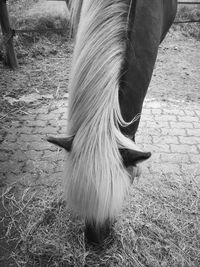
{"points": [[97, 234]]}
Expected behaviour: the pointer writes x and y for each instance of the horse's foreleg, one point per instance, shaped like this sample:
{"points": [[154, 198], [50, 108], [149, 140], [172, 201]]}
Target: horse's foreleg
{"points": [[97, 233]]}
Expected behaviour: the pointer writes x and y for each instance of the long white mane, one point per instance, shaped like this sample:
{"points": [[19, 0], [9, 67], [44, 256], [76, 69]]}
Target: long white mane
{"points": [[95, 180]]}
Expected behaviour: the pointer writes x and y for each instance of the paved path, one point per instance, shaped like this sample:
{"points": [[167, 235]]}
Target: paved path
{"points": [[170, 130]]}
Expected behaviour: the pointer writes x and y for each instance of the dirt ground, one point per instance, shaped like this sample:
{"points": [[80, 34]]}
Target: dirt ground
{"points": [[44, 61], [44, 64], [43, 74], [177, 71]]}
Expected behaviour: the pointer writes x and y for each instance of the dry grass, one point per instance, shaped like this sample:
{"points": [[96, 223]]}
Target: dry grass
{"points": [[44, 57], [189, 29], [42, 21], [158, 227], [38, 15]]}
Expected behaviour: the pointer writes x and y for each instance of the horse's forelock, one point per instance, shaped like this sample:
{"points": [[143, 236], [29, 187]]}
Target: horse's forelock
{"points": [[96, 181]]}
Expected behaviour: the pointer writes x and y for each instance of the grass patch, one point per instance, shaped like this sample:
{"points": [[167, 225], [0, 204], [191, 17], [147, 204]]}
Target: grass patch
{"points": [[189, 29], [38, 15], [158, 227], [47, 21]]}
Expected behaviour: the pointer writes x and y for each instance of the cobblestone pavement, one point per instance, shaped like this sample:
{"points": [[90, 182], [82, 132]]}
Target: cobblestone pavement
{"points": [[170, 130]]}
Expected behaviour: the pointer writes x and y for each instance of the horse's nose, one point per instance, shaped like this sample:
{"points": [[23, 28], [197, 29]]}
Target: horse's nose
{"points": [[139, 171], [135, 172]]}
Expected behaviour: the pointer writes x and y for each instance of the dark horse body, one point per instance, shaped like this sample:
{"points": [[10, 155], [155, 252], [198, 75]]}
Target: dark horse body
{"points": [[148, 23]]}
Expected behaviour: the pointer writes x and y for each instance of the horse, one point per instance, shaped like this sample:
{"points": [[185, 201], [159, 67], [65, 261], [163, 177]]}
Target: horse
{"points": [[116, 45]]}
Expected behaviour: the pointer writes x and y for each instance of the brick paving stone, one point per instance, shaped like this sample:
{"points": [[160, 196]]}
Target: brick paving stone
{"points": [[29, 166], [165, 168], [16, 124], [152, 104], [156, 157], [13, 146], [190, 140], [142, 124], [59, 166], [181, 125], [194, 158], [41, 146], [42, 110], [27, 179], [184, 149], [156, 111], [157, 124], [10, 167], [19, 156], [29, 117], [60, 110], [45, 130], [188, 118], [193, 132], [32, 154], [38, 166], [11, 178], [47, 166], [2, 136], [175, 158], [29, 138], [4, 156], [197, 111], [165, 139], [47, 117], [149, 118], [36, 111], [174, 112], [146, 111], [27, 130], [11, 133], [53, 123], [171, 131], [157, 148], [64, 116], [165, 118], [35, 123], [62, 122], [11, 137], [56, 156], [196, 125], [62, 130], [140, 139], [189, 113], [148, 131]]}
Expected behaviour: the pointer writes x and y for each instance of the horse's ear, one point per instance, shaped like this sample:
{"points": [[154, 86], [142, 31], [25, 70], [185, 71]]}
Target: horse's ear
{"points": [[132, 157], [64, 142]]}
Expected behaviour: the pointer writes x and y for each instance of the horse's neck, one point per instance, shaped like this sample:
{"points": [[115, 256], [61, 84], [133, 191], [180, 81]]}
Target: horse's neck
{"points": [[146, 30]]}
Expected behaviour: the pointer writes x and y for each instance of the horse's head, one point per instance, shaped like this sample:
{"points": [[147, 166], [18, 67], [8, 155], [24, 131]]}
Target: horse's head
{"points": [[129, 161], [111, 70], [130, 157]]}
